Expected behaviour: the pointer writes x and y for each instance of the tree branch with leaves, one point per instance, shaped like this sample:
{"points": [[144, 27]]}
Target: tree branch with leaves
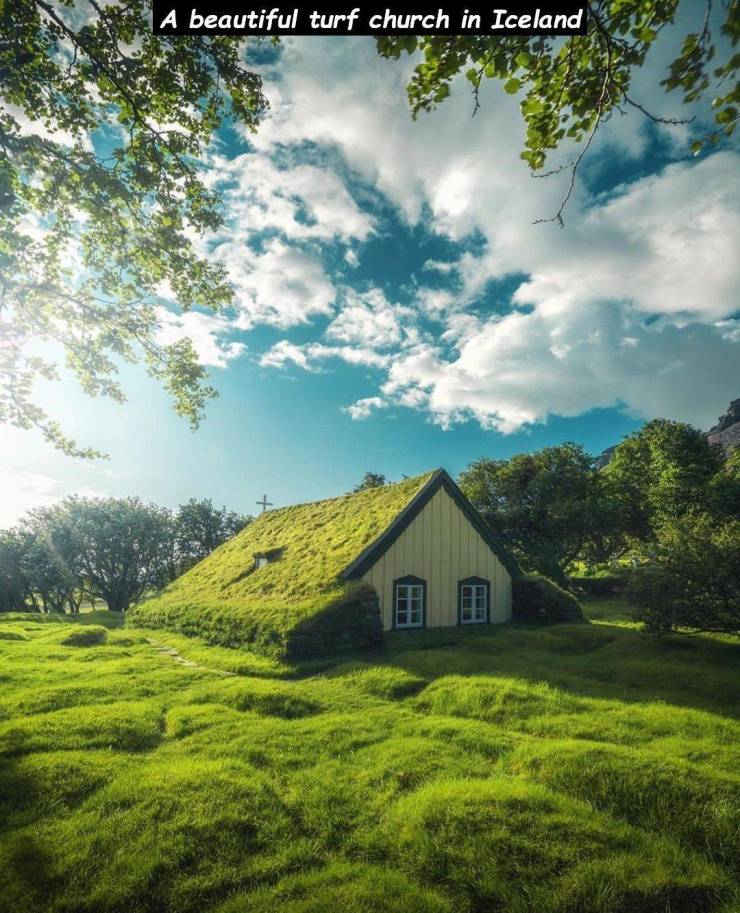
{"points": [[571, 86], [103, 126]]}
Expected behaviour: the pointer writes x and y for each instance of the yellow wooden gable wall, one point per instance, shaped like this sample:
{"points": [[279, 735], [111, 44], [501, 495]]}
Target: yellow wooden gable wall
{"points": [[442, 547]]}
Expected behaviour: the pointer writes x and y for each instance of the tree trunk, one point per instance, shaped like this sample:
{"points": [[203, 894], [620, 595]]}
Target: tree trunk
{"points": [[117, 603]]}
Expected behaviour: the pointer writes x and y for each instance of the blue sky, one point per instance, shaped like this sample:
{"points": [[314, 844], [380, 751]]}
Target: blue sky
{"points": [[397, 309]]}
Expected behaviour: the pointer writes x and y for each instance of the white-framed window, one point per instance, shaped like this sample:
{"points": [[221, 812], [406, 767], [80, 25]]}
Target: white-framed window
{"points": [[408, 603], [473, 602]]}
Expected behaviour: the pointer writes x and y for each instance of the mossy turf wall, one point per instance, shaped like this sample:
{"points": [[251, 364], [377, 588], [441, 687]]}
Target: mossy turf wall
{"points": [[536, 598], [350, 622], [296, 606]]}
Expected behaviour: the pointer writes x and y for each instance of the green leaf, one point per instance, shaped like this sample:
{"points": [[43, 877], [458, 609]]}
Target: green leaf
{"points": [[646, 34], [532, 106]]}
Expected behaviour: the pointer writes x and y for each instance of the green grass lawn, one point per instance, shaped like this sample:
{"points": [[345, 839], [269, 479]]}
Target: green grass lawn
{"points": [[572, 768]]}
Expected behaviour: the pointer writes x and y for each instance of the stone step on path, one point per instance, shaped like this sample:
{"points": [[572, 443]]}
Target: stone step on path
{"points": [[179, 658]]}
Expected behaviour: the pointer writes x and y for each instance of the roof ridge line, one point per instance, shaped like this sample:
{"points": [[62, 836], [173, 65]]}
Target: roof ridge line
{"points": [[439, 479], [351, 494]]}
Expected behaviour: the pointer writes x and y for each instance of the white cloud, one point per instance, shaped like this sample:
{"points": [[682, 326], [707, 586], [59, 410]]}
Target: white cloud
{"points": [[282, 280], [440, 266], [370, 320], [205, 331], [353, 355], [667, 244], [24, 490], [363, 408], [283, 286], [285, 353], [519, 368], [662, 246], [302, 202]]}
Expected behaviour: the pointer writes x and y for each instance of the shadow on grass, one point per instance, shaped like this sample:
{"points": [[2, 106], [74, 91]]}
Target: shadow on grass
{"points": [[31, 883], [612, 660], [98, 617]]}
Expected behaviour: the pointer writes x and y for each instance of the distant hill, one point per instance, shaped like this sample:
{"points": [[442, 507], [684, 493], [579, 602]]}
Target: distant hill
{"points": [[726, 433]]}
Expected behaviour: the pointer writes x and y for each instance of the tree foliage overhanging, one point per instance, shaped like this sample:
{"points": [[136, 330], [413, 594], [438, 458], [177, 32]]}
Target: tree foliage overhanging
{"points": [[102, 126], [571, 86], [102, 129]]}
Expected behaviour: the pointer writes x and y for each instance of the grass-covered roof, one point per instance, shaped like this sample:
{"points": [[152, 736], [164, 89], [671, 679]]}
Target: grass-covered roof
{"points": [[227, 598]]}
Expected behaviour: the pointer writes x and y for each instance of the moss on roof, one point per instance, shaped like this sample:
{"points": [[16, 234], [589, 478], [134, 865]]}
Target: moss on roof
{"points": [[227, 599]]}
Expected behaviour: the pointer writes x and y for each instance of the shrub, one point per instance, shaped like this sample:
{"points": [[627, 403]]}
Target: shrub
{"points": [[91, 636], [536, 598], [695, 583]]}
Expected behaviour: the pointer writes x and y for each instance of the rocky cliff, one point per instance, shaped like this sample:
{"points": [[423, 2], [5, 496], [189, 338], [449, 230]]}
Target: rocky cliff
{"points": [[727, 430], [726, 433]]}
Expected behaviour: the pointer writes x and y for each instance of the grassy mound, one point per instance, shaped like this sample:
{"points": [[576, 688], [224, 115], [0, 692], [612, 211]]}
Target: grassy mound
{"points": [[695, 804], [44, 784], [124, 726], [342, 886], [389, 683], [296, 605], [91, 636], [504, 844], [526, 769], [496, 700], [271, 699], [539, 709], [215, 822]]}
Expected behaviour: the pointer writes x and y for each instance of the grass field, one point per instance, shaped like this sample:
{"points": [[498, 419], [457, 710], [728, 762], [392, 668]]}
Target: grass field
{"points": [[577, 769]]}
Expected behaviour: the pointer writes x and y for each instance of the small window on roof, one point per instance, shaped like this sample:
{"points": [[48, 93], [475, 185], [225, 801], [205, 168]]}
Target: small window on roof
{"points": [[263, 558]]}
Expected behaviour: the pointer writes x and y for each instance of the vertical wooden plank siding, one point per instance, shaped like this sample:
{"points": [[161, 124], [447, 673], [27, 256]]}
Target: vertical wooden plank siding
{"points": [[441, 547]]}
